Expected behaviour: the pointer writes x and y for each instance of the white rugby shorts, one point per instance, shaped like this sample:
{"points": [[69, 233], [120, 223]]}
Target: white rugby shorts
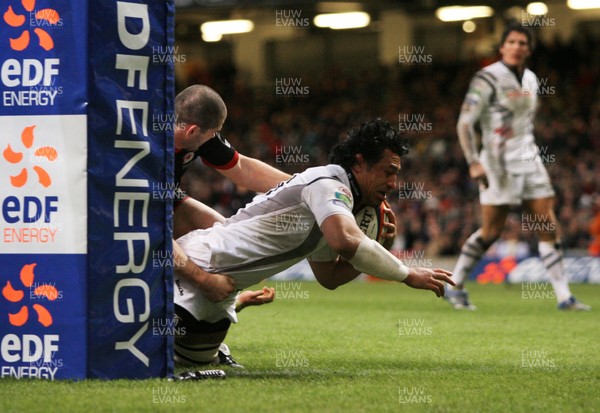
{"points": [[513, 189]]}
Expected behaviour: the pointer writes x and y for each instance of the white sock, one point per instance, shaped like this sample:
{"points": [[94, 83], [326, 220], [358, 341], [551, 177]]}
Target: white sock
{"points": [[552, 258], [470, 254]]}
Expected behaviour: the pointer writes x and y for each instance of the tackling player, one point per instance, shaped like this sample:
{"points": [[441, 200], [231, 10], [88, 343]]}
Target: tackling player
{"points": [[502, 99], [310, 215], [201, 113]]}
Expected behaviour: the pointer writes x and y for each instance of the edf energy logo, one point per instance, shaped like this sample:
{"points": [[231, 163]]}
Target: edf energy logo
{"points": [[29, 80], [13, 295], [29, 217], [31, 355], [46, 152], [32, 18]]}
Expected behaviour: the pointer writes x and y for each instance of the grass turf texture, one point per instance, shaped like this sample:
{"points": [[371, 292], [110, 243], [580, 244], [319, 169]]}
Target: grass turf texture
{"points": [[372, 347]]}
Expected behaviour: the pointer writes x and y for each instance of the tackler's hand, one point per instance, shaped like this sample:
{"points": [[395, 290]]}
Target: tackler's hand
{"points": [[260, 297]]}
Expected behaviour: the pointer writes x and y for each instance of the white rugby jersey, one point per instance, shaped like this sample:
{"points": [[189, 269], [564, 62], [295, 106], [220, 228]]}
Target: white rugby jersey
{"points": [[505, 108], [275, 230]]}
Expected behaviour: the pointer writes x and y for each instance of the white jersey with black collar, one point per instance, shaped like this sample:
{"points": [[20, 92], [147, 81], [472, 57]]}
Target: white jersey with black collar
{"points": [[275, 230], [504, 106]]}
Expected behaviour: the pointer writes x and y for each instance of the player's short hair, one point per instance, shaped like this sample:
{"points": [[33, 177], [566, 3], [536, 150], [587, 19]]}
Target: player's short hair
{"points": [[518, 27], [200, 105], [369, 139]]}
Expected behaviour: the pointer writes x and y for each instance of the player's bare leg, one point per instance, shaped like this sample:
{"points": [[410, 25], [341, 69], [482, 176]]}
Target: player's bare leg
{"points": [[548, 233], [493, 218]]}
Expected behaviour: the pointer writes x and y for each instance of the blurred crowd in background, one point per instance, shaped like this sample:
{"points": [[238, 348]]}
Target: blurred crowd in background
{"points": [[436, 203]]}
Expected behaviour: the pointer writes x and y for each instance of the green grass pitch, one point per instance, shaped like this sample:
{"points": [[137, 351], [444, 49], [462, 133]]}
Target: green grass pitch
{"points": [[372, 347]]}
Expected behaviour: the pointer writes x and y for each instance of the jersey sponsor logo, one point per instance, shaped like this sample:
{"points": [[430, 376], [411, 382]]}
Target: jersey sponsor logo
{"points": [[340, 203], [347, 200], [345, 190]]}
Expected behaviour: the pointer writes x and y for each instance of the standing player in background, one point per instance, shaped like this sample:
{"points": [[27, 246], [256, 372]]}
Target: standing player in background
{"points": [[502, 99], [200, 115], [321, 202]]}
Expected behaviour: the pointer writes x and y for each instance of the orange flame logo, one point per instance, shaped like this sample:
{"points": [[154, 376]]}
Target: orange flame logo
{"points": [[18, 20], [13, 157], [14, 296]]}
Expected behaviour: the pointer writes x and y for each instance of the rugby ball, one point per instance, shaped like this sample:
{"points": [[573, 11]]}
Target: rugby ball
{"points": [[370, 221]]}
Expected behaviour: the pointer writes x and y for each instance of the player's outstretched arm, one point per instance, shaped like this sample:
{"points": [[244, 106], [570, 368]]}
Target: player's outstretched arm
{"points": [[215, 287], [368, 256], [332, 274], [254, 174]]}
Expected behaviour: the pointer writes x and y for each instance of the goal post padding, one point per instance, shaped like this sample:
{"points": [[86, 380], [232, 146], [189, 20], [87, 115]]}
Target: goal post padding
{"points": [[85, 112]]}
